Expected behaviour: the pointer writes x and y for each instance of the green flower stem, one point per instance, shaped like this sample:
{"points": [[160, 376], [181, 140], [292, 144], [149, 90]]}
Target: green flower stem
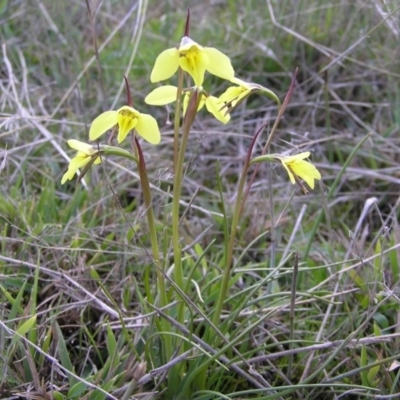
{"points": [[144, 180], [232, 236], [179, 153], [176, 372], [178, 271], [153, 233], [177, 117], [188, 119]]}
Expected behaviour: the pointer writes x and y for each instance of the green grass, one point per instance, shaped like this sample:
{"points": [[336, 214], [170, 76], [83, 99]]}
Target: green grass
{"points": [[75, 266]]}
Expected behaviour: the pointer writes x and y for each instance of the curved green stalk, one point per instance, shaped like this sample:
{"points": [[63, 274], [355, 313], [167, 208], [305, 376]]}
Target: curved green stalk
{"points": [[240, 200], [116, 151]]}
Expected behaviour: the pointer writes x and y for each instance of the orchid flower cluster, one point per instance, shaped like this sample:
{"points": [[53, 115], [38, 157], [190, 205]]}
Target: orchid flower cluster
{"points": [[192, 61], [195, 60]]}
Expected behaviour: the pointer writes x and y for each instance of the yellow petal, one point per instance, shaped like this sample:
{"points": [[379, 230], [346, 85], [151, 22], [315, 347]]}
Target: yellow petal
{"points": [[219, 64], [186, 99], [126, 122], [230, 94], [291, 177], [76, 163], [213, 106], [165, 66], [102, 124], [241, 96], [306, 171], [300, 156], [69, 175], [79, 162], [240, 82], [147, 128], [85, 148], [195, 63], [162, 95], [234, 95], [203, 100]]}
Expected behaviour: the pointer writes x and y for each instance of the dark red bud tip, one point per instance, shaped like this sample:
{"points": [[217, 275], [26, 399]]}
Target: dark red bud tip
{"points": [[187, 23], [129, 101]]}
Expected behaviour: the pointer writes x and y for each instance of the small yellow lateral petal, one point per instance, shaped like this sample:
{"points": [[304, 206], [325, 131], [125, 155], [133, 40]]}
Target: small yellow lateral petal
{"points": [[79, 162], [230, 94], [306, 171], [162, 95], [245, 93], [213, 106], [147, 128], [219, 64], [234, 95], [69, 175], [203, 101], [76, 163], [291, 177], [102, 124], [165, 66], [186, 99]]}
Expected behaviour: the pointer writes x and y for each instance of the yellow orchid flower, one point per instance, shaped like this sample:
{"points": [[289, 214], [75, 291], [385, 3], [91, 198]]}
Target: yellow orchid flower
{"points": [[194, 59], [127, 118], [86, 153], [297, 167], [167, 94], [234, 95]]}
